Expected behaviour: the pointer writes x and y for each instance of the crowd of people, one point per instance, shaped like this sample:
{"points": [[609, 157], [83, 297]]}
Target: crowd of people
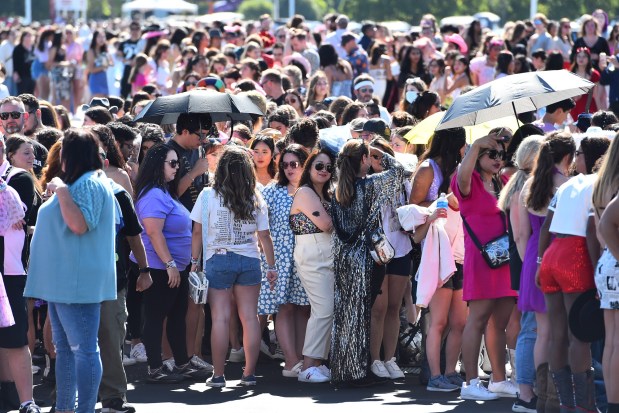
{"points": [[106, 221]]}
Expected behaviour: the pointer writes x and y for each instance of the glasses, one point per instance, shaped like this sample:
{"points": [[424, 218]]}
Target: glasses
{"points": [[319, 166], [366, 90], [495, 154], [174, 163], [292, 165], [190, 83], [13, 115], [322, 83]]}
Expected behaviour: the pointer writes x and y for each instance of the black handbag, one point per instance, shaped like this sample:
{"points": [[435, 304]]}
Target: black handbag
{"points": [[496, 251]]}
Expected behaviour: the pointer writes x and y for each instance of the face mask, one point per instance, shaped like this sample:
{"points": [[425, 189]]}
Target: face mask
{"points": [[410, 96]]}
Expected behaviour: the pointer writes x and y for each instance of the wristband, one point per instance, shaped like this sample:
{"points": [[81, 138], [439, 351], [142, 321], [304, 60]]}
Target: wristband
{"points": [[271, 267], [170, 264], [194, 261], [144, 270]]}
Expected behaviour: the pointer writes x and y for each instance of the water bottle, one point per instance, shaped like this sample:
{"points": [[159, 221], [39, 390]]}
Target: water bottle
{"points": [[442, 203]]}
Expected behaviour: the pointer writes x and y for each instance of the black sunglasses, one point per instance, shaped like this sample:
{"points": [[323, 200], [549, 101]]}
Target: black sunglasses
{"points": [[495, 154], [319, 166], [190, 83], [13, 115], [174, 163], [292, 165]]}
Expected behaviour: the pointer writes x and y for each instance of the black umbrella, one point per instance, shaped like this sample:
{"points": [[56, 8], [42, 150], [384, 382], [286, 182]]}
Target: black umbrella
{"points": [[220, 106]]}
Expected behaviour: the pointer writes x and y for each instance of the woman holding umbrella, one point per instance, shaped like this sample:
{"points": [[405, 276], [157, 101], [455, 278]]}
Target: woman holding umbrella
{"points": [[477, 185]]}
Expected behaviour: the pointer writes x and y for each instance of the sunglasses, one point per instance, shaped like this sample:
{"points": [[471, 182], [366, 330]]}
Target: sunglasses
{"points": [[190, 83], [174, 163], [319, 166], [13, 115], [495, 154], [366, 90], [292, 165]]}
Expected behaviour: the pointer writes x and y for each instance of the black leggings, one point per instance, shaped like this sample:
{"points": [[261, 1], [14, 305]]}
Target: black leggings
{"points": [[134, 303], [161, 301]]}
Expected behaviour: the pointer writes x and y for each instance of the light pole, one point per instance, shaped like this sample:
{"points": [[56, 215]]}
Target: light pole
{"points": [[533, 8]]}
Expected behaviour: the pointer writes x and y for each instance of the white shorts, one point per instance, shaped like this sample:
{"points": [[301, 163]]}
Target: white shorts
{"points": [[607, 281]]}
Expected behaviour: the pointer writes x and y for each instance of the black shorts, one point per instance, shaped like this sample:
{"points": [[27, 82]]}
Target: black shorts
{"points": [[456, 281], [400, 266], [15, 336]]}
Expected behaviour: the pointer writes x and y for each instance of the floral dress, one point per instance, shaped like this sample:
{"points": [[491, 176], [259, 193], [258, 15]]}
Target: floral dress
{"points": [[288, 288]]}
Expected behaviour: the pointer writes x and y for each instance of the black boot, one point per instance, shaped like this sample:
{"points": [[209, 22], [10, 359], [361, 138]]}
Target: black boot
{"points": [[564, 384], [9, 396], [552, 397], [584, 391]]}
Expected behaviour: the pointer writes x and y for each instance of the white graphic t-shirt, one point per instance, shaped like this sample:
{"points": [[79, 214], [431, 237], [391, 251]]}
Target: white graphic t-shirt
{"points": [[221, 230]]}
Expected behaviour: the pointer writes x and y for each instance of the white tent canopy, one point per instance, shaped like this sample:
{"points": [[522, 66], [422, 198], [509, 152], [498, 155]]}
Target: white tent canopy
{"points": [[172, 6]]}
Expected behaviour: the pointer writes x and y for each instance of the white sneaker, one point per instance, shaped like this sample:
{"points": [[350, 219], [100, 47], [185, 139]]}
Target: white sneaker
{"points": [[128, 361], [379, 369], [169, 363], [476, 391], [35, 369], [197, 362], [294, 371], [237, 356], [325, 371], [394, 370], [138, 352], [503, 388], [312, 375]]}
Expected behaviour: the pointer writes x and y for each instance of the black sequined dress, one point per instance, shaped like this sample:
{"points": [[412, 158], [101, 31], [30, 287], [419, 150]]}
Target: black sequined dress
{"points": [[350, 339]]}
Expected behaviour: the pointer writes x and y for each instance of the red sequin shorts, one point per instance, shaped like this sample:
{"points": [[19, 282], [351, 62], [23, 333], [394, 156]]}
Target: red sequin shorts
{"points": [[566, 267]]}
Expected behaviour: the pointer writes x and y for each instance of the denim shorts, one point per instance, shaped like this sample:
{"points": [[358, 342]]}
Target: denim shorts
{"points": [[223, 271]]}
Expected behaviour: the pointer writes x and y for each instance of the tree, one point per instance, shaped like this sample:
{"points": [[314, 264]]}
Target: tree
{"points": [[253, 9]]}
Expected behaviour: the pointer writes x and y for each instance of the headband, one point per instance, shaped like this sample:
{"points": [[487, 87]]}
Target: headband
{"points": [[363, 83]]}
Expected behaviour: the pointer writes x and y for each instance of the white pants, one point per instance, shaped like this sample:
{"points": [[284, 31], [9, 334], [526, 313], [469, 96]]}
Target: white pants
{"points": [[313, 256]]}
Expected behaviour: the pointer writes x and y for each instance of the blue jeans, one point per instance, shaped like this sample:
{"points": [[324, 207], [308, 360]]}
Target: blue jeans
{"points": [[525, 366], [78, 365]]}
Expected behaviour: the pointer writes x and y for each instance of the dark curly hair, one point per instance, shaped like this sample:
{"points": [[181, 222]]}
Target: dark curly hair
{"points": [[306, 179], [296, 150], [304, 132]]}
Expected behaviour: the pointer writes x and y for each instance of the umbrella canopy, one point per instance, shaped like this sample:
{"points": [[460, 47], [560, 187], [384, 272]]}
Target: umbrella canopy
{"points": [[220, 106], [423, 131], [509, 95], [176, 6]]}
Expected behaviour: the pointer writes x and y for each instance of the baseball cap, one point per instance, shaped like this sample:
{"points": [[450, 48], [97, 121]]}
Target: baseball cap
{"points": [[379, 127], [356, 125]]}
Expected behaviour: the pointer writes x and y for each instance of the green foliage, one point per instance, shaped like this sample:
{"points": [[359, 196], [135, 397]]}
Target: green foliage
{"points": [[252, 9], [311, 9]]}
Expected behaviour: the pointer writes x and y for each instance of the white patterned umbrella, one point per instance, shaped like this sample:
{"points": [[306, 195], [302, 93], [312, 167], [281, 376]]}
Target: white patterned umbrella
{"points": [[510, 95]]}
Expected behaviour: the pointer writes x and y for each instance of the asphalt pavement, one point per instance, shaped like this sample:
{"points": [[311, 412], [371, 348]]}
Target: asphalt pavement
{"points": [[277, 394]]}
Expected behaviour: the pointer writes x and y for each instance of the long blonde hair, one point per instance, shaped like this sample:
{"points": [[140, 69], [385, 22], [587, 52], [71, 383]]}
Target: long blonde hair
{"points": [[524, 159], [349, 165], [607, 184]]}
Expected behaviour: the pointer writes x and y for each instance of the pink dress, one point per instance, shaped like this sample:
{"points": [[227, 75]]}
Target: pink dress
{"points": [[483, 215]]}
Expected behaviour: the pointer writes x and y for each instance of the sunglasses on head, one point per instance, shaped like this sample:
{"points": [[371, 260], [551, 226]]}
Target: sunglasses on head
{"points": [[495, 154], [292, 165], [13, 115], [319, 166], [174, 163]]}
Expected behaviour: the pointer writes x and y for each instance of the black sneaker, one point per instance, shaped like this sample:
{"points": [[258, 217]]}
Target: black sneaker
{"points": [[520, 406], [30, 408], [116, 406], [192, 372], [163, 375]]}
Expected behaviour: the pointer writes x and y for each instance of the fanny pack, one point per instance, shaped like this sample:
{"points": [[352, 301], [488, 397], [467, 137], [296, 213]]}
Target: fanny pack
{"points": [[496, 251]]}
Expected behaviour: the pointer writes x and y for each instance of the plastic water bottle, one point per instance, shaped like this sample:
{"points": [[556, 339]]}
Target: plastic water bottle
{"points": [[442, 203]]}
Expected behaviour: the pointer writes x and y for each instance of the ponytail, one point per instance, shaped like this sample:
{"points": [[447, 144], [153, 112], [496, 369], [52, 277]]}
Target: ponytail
{"points": [[349, 164], [552, 151]]}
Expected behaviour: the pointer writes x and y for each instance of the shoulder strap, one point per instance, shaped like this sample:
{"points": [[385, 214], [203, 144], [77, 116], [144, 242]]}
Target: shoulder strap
{"points": [[472, 234]]}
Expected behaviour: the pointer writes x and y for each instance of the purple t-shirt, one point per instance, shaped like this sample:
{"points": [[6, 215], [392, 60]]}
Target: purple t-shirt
{"points": [[176, 229]]}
